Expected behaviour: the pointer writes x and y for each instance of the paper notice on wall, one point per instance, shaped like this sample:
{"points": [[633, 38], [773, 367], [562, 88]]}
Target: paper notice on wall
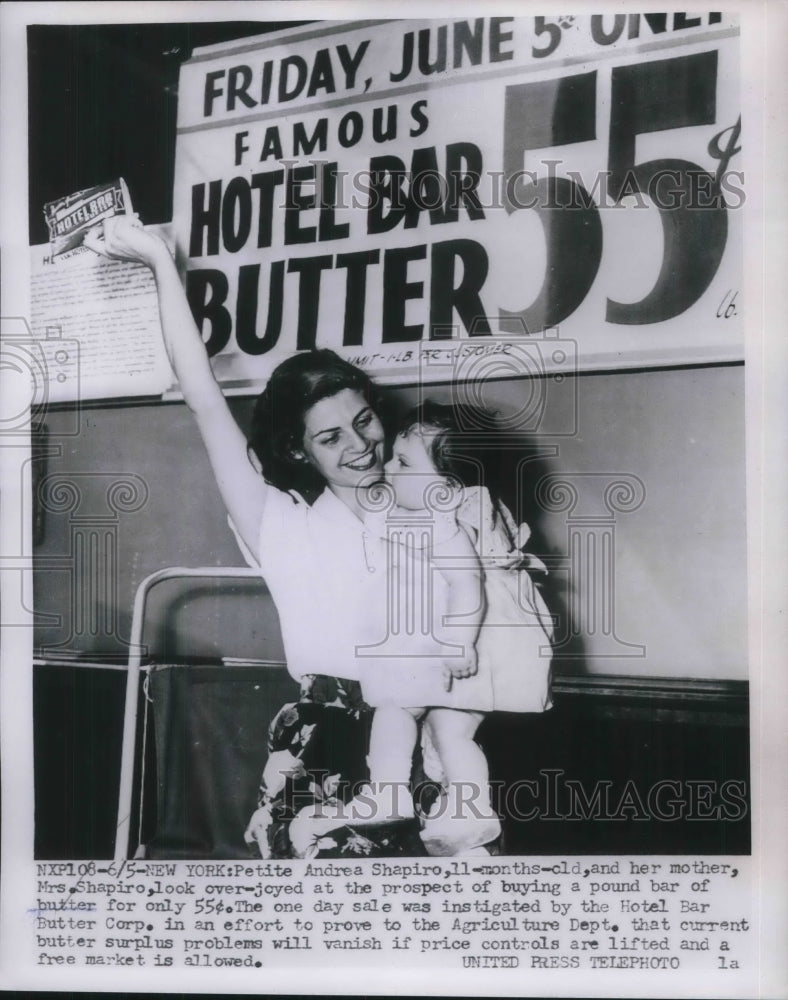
{"points": [[95, 323]]}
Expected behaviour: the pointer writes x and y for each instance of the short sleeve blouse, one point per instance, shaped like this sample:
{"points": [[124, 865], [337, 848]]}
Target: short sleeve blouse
{"points": [[327, 575]]}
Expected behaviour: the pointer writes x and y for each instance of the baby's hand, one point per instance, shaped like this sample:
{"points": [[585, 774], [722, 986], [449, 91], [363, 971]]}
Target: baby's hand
{"points": [[462, 666]]}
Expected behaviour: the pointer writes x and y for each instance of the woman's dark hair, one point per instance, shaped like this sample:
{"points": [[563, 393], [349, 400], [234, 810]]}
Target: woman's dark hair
{"points": [[277, 428]]}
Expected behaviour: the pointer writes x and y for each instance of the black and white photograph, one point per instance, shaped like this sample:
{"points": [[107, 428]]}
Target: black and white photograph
{"points": [[384, 505]]}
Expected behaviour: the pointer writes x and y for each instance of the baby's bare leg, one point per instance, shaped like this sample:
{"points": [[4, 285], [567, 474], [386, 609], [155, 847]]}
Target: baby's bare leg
{"points": [[392, 742], [463, 760], [467, 820]]}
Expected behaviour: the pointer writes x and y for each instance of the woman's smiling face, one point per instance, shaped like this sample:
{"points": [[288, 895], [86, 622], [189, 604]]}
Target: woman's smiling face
{"points": [[343, 439]]}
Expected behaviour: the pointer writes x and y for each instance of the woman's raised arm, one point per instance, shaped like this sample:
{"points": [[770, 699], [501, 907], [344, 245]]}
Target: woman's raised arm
{"points": [[242, 487]]}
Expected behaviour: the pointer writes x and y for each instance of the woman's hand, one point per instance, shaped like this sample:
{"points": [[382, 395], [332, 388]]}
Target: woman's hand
{"points": [[123, 238], [257, 831]]}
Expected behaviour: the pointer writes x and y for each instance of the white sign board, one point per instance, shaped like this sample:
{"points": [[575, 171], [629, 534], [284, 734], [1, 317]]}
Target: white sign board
{"points": [[381, 187]]}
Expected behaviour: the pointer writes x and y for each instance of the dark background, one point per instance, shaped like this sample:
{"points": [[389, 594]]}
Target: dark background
{"points": [[102, 103]]}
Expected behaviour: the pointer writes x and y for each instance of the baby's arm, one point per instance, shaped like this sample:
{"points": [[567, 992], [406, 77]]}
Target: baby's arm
{"points": [[458, 563]]}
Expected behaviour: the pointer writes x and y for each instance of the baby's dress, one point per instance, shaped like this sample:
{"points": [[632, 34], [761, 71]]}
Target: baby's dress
{"points": [[514, 641], [406, 667]]}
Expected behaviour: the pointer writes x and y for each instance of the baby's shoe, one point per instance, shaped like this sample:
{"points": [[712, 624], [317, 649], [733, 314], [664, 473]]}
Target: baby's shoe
{"points": [[447, 833], [308, 831], [376, 803]]}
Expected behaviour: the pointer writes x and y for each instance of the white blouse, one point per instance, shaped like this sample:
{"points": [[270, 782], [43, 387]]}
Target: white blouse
{"points": [[328, 575]]}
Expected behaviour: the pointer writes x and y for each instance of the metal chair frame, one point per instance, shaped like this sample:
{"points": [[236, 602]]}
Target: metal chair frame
{"points": [[133, 670]]}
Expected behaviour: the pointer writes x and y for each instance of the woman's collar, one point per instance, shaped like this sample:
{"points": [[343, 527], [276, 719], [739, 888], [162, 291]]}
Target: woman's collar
{"points": [[329, 506]]}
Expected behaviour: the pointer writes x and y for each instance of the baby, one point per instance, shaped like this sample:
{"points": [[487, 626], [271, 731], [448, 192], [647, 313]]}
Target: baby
{"points": [[468, 633]]}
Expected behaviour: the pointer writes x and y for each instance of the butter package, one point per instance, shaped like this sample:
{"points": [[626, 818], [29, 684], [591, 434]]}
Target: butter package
{"points": [[69, 218]]}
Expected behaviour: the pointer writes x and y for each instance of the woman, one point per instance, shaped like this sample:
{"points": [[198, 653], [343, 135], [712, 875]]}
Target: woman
{"points": [[316, 433]]}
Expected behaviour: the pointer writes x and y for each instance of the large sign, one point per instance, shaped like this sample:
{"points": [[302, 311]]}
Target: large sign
{"points": [[389, 187]]}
